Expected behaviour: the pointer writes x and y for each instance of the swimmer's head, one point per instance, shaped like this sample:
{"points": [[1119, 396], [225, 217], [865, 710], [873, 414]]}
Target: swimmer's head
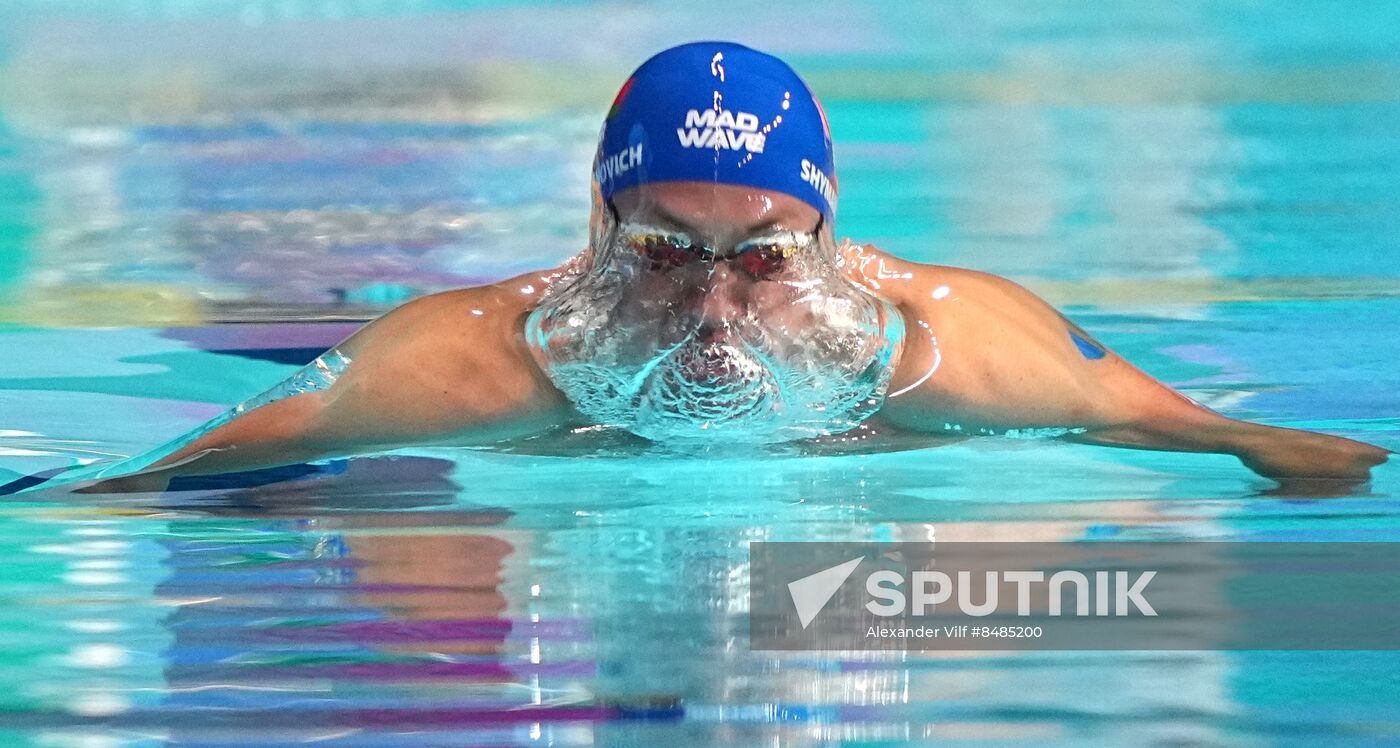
{"points": [[713, 304]]}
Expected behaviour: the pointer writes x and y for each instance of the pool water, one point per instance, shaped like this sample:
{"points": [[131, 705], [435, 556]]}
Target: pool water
{"points": [[195, 200]]}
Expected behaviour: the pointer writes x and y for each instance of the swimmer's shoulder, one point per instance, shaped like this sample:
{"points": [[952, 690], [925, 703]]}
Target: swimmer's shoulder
{"points": [[460, 320], [917, 284], [453, 361]]}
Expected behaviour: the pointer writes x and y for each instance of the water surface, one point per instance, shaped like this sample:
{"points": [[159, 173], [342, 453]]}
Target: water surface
{"points": [[195, 202]]}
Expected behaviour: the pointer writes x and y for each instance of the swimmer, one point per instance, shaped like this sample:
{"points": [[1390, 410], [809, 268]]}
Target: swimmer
{"points": [[714, 305]]}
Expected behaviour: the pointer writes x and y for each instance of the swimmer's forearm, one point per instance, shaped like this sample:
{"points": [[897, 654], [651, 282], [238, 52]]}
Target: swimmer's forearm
{"points": [[279, 433], [1282, 454], [1168, 435]]}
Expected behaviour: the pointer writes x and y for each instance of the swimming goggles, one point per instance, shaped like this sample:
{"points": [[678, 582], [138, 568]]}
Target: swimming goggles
{"points": [[761, 258]]}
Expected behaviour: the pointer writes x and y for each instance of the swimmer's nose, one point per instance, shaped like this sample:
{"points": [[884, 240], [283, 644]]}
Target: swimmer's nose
{"points": [[725, 297]]}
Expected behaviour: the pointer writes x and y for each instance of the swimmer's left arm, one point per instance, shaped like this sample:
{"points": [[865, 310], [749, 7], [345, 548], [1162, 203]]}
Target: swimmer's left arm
{"points": [[985, 353]]}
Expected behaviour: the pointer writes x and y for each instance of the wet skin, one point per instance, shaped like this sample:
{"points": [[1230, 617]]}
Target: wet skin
{"points": [[980, 354]]}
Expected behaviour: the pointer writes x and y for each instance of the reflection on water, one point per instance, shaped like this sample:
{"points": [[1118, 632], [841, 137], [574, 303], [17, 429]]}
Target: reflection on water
{"points": [[1213, 187], [509, 599]]}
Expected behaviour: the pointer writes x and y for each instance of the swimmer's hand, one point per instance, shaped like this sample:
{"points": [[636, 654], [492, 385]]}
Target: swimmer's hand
{"points": [[1291, 457]]}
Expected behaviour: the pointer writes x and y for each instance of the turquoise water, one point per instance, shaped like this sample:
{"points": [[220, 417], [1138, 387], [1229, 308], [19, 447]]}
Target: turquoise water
{"points": [[196, 199]]}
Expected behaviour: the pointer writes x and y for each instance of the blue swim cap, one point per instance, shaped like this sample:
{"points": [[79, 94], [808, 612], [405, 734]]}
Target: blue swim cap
{"points": [[718, 112]]}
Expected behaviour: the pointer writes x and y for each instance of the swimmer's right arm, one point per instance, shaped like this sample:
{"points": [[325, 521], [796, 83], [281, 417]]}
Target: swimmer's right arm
{"points": [[431, 370], [278, 433]]}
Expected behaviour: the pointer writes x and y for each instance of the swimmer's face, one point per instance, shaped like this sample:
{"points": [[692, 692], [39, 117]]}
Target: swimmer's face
{"points": [[720, 250], [714, 310]]}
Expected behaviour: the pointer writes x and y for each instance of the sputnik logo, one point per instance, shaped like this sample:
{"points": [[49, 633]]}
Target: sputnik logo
{"points": [[811, 593]]}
